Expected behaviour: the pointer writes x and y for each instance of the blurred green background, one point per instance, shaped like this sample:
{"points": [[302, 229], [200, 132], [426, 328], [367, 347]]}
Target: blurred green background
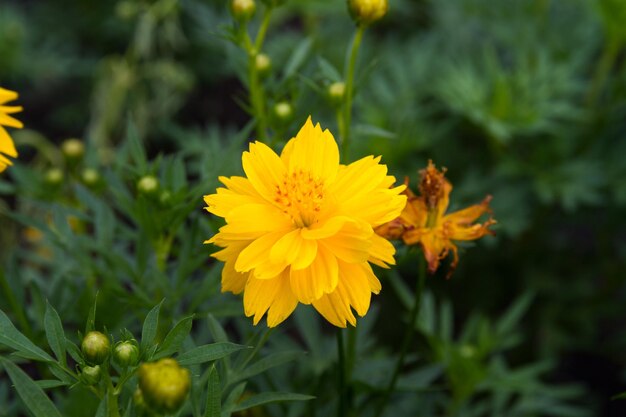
{"points": [[523, 100]]}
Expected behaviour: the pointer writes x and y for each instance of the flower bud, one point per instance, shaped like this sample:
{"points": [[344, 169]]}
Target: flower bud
{"points": [[164, 385], [283, 110], [90, 177], [365, 12], [95, 347], [90, 375], [54, 176], [336, 92], [263, 64], [73, 149], [147, 184], [126, 353], [242, 10]]}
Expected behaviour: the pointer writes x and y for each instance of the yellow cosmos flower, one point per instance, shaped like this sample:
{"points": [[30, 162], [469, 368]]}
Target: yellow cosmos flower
{"points": [[300, 228], [7, 148], [423, 221]]}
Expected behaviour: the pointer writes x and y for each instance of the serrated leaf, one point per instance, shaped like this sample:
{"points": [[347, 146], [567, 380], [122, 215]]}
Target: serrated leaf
{"points": [[214, 395], [150, 326], [207, 353], [297, 57], [270, 397], [174, 338], [13, 338], [31, 394], [54, 333]]}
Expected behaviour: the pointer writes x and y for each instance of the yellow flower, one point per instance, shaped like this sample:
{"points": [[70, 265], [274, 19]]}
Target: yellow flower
{"points": [[423, 221], [299, 228], [7, 148], [367, 11]]}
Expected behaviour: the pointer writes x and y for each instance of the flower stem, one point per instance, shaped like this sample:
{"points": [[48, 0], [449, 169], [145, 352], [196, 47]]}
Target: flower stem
{"points": [[408, 336], [349, 77], [603, 69], [257, 95], [256, 349], [112, 407], [341, 406]]}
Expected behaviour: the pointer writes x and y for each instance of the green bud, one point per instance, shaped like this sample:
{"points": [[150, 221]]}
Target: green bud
{"points": [[263, 64], [73, 149], [90, 177], [164, 385], [126, 353], [365, 12], [283, 111], [95, 347], [90, 375], [147, 184], [336, 91], [242, 10], [54, 176]]}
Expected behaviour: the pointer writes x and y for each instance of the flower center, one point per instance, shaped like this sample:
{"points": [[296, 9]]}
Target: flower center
{"points": [[300, 196]]}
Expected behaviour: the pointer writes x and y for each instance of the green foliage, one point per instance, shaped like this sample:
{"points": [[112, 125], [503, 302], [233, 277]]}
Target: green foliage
{"points": [[525, 101]]}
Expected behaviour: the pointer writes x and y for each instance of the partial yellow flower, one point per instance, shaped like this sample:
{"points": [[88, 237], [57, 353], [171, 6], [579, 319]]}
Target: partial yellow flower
{"points": [[7, 148], [423, 221], [300, 228]]}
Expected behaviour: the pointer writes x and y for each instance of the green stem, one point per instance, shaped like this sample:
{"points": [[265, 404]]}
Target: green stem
{"points": [[260, 37], [15, 307], [112, 406], [602, 70], [408, 336], [349, 77], [341, 406], [256, 349]]}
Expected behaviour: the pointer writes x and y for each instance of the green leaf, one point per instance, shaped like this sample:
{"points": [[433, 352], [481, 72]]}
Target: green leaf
{"points": [[270, 397], [206, 353], [31, 394], [91, 318], [174, 338], [297, 58], [50, 383], [13, 338], [262, 365], [214, 395], [513, 315], [54, 333], [150, 326]]}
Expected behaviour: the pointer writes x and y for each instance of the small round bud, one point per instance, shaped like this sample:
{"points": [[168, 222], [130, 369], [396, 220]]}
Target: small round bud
{"points": [[365, 12], [95, 347], [90, 375], [54, 176], [467, 351], [140, 403], [242, 10], [165, 197], [164, 385], [147, 184], [283, 110], [73, 149], [126, 353], [263, 64], [90, 177], [336, 91]]}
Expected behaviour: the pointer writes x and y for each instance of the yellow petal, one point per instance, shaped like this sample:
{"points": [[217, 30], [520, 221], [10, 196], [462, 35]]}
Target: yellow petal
{"points": [[335, 307], [314, 151], [354, 283], [264, 169], [7, 95], [352, 243], [225, 200], [6, 144], [6, 120], [253, 220], [359, 178], [232, 280], [320, 278], [274, 295], [380, 206], [293, 250], [257, 252], [382, 251]]}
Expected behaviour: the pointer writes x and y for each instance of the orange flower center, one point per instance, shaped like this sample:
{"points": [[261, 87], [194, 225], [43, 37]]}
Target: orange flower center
{"points": [[300, 196]]}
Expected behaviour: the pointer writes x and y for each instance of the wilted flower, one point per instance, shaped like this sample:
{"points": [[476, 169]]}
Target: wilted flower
{"points": [[423, 221], [299, 228], [7, 148]]}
